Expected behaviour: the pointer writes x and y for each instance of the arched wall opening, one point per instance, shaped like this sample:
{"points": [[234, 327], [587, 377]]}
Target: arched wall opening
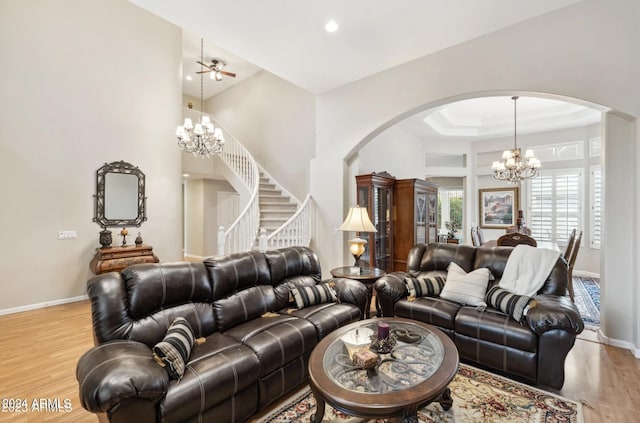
{"points": [[406, 152], [617, 263]]}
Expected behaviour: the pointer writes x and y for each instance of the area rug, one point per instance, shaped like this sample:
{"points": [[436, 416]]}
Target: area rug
{"points": [[478, 396], [587, 299]]}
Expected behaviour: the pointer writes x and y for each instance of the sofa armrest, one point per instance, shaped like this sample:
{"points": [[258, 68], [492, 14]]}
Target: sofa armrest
{"points": [[550, 312], [118, 372], [352, 292], [389, 290]]}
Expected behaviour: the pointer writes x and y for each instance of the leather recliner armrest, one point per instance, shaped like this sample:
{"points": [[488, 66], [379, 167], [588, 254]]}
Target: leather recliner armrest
{"points": [[551, 312], [118, 372], [389, 290], [352, 292]]}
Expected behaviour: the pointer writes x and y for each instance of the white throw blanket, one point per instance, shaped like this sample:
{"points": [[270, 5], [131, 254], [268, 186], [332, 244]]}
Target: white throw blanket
{"points": [[527, 268]]}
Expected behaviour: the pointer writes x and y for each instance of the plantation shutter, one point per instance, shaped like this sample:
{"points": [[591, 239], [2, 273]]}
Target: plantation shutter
{"points": [[541, 208], [596, 206], [555, 199]]}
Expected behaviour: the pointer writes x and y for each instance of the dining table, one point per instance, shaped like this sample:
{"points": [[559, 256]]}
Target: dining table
{"points": [[550, 245]]}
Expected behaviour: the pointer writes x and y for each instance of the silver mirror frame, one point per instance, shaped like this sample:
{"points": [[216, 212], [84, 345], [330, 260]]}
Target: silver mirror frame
{"points": [[125, 168]]}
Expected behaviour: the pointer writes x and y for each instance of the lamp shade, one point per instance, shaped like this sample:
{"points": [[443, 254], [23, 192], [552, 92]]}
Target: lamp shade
{"points": [[357, 221]]}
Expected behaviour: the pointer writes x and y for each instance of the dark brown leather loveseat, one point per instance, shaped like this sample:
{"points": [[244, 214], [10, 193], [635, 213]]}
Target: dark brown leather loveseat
{"points": [[534, 350], [257, 342]]}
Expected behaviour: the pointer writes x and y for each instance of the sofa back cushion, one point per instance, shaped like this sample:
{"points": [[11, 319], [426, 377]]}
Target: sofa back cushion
{"points": [[494, 259], [238, 271], [437, 256], [292, 267], [143, 300]]}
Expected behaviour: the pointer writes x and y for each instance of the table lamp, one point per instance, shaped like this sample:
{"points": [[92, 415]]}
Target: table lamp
{"points": [[357, 221]]}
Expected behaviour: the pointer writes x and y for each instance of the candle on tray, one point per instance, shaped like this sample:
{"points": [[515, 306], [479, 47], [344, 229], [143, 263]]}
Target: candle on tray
{"points": [[383, 330]]}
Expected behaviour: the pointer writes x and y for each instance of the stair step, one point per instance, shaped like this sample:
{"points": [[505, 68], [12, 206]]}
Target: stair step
{"points": [[264, 185], [273, 199], [270, 191], [276, 213]]}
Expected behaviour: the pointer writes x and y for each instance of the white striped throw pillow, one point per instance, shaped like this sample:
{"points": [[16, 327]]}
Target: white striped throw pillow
{"points": [[174, 350]]}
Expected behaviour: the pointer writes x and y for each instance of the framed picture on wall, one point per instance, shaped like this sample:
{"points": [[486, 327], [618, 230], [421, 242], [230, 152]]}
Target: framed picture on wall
{"points": [[499, 207]]}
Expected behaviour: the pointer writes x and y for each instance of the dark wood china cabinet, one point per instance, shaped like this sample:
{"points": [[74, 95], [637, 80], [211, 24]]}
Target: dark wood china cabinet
{"points": [[415, 217], [375, 192]]}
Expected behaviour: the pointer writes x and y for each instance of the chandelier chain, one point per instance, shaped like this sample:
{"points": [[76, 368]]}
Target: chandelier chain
{"points": [[515, 167]]}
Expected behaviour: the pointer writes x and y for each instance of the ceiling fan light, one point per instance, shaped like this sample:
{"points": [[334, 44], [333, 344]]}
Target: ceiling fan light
{"points": [[218, 76]]}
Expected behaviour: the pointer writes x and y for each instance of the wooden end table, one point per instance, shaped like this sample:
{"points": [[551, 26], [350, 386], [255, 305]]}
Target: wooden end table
{"points": [[415, 373], [367, 275]]}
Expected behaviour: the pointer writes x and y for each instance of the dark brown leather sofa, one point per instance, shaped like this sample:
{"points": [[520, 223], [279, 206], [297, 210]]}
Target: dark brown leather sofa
{"points": [[533, 351], [257, 343]]}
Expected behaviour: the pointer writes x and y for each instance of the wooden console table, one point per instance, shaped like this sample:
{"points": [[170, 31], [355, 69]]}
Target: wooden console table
{"points": [[114, 259]]}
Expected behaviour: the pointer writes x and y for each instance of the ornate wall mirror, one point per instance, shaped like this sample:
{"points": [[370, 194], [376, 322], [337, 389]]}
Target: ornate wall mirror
{"points": [[120, 199]]}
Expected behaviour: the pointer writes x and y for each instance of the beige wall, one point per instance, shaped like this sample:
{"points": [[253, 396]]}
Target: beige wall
{"points": [[558, 53], [82, 83], [275, 121]]}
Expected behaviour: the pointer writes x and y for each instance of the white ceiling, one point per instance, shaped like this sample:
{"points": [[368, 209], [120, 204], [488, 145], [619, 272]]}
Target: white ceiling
{"points": [[287, 37]]}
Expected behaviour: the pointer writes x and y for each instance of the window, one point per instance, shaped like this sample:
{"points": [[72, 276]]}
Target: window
{"points": [[555, 200], [596, 206], [450, 206]]}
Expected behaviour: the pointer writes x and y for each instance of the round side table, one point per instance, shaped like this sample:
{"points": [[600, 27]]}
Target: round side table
{"points": [[367, 275]]}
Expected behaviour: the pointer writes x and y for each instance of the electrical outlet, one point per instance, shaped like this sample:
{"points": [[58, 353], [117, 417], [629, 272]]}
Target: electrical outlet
{"points": [[67, 234]]}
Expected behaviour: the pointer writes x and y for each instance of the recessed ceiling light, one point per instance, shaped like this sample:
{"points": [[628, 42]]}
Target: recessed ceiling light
{"points": [[331, 26], [185, 175], [188, 78]]}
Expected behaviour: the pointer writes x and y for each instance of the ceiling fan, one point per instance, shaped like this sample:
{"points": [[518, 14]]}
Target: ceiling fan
{"points": [[216, 67]]}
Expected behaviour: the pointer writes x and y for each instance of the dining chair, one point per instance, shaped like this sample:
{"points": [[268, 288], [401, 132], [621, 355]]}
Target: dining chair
{"points": [[572, 262], [522, 230], [570, 241], [475, 239], [516, 238], [480, 235]]}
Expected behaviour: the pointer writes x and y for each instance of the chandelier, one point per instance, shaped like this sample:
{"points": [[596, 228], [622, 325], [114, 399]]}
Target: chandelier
{"points": [[513, 167], [203, 139]]}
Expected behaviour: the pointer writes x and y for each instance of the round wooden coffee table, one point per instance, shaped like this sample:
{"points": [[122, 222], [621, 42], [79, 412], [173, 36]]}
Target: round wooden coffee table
{"points": [[413, 374]]}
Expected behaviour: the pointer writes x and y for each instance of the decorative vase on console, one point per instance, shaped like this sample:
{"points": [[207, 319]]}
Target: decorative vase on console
{"points": [[105, 238], [139, 240]]}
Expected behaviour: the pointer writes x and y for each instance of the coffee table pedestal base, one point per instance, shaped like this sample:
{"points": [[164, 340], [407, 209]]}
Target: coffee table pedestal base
{"points": [[410, 414]]}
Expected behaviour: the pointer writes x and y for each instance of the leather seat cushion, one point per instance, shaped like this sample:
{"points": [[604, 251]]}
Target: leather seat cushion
{"points": [[506, 360], [216, 371], [276, 340], [326, 317], [434, 311], [495, 327]]}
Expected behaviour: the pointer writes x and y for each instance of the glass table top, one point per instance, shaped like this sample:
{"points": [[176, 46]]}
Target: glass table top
{"points": [[416, 356]]}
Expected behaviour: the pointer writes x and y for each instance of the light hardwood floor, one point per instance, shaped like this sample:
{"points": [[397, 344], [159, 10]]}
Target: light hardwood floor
{"points": [[39, 351]]}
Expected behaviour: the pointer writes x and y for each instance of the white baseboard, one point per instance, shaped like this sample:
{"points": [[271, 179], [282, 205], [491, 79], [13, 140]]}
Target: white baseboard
{"points": [[618, 343], [43, 305]]}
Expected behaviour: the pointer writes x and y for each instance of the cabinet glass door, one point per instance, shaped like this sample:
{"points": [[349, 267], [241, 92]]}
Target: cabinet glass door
{"points": [[421, 217], [382, 222], [363, 201]]}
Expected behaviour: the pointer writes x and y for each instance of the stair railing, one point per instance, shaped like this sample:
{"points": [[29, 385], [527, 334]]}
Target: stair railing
{"points": [[297, 230], [241, 234]]}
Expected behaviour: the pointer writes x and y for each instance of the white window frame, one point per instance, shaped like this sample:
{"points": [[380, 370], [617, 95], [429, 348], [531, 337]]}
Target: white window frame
{"points": [[554, 174], [595, 206]]}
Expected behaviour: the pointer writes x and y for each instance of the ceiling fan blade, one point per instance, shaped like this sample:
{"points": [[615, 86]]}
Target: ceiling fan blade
{"points": [[203, 64], [231, 74], [206, 71]]}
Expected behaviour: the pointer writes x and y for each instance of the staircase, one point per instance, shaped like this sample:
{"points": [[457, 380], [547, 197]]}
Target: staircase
{"points": [[276, 208]]}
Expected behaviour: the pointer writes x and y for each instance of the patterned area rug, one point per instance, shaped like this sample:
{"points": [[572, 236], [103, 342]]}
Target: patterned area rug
{"points": [[587, 299], [478, 396]]}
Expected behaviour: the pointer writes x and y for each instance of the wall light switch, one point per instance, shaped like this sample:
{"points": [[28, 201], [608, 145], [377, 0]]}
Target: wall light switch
{"points": [[67, 234]]}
